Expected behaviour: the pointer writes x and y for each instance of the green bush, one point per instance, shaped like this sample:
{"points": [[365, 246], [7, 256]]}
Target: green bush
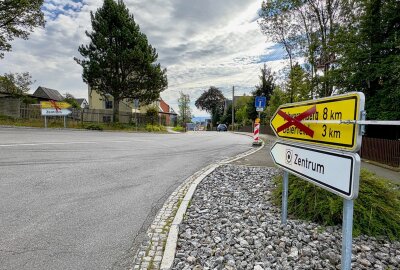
{"points": [[376, 210], [155, 128], [5, 117], [178, 129], [94, 127], [152, 115]]}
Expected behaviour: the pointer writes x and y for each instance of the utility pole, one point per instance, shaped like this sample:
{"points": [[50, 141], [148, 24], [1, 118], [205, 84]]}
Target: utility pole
{"points": [[233, 107]]}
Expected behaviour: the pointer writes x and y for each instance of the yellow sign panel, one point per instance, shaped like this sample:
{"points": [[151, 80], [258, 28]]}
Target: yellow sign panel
{"points": [[257, 120], [54, 105], [318, 121]]}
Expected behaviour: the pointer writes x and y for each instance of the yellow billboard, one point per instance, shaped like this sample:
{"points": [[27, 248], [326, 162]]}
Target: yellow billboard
{"points": [[54, 105], [322, 121]]}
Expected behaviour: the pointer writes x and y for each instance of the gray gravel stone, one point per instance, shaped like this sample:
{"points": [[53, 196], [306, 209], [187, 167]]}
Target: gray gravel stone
{"points": [[232, 224]]}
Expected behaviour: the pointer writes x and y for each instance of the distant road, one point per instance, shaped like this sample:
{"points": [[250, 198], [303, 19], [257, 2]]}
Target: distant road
{"points": [[83, 200]]}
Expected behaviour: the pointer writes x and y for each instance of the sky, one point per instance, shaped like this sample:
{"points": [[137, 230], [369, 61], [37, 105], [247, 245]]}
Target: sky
{"points": [[202, 43]]}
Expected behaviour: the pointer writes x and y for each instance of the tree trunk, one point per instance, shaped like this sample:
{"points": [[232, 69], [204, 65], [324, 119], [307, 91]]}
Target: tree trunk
{"points": [[116, 111]]}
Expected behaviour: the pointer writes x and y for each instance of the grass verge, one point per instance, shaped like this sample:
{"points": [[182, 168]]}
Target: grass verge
{"points": [[59, 123], [178, 129], [376, 210]]}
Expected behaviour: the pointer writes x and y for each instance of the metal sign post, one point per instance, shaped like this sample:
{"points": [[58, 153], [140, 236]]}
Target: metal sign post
{"points": [[136, 103], [285, 193], [347, 233]]}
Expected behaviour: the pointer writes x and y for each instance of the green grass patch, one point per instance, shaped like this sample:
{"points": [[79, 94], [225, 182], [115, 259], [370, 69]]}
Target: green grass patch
{"points": [[155, 128], [56, 122], [178, 129], [376, 210]]}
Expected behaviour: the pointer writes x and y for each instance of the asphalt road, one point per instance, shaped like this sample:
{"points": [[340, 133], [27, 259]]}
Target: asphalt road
{"points": [[83, 200]]}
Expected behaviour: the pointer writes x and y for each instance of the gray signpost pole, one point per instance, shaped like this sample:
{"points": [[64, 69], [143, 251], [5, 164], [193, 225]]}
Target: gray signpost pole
{"points": [[45, 121], [65, 122], [285, 196], [347, 230]]}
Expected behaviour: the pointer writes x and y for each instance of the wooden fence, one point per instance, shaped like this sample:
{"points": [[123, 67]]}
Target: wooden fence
{"points": [[381, 150], [101, 116]]}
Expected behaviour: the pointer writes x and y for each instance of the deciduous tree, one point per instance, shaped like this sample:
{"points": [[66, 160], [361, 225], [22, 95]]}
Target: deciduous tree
{"points": [[18, 18], [69, 98], [370, 62], [212, 101], [16, 84], [185, 114]]}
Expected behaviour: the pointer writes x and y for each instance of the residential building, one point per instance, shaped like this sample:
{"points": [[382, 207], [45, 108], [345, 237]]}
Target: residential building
{"points": [[126, 106], [82, 102], [45, 94]]}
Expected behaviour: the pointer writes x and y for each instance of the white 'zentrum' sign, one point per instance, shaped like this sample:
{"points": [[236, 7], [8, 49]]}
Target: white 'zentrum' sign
{"points": [[335, 171], [55, 112]]}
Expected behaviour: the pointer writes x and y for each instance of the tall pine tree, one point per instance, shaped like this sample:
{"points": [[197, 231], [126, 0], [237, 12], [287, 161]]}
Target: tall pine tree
{"points": [[119, 61]]}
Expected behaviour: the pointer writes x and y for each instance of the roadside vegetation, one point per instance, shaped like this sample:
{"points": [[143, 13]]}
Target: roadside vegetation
{"points": [[376, 210], [59, 123], [178, 129]]}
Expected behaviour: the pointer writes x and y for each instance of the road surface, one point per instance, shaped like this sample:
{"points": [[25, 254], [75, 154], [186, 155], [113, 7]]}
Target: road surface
{"points": [[83, 200]]}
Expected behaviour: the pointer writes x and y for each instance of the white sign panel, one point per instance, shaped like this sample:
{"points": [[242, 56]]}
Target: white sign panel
{"points": [[335, 171], [54, 112]]}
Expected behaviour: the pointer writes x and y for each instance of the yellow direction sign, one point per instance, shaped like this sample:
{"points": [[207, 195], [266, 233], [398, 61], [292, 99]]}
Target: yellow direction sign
{"points": [[322, 121], [54, 105]]}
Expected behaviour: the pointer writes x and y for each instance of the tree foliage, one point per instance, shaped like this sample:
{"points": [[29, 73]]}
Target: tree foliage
{"points": [[152, 115], [278, 98], [119, 61], [298, 85], [370, 47], [212, 101], [16, 84], [266, 85], [18, 18], [185, 114], [69, 98], [348, 46], [309, 29]]}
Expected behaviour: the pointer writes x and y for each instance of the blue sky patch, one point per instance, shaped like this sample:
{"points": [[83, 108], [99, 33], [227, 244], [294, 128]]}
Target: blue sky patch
{"points": [[52, 8]]}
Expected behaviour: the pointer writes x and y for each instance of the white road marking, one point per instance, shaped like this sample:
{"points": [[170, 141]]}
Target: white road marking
{"points": [[68, 143]]}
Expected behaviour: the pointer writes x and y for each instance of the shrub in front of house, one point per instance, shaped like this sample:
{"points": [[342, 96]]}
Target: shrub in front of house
{"points": [[178, 129], [376, 210], [155, 128], [94, 127]]}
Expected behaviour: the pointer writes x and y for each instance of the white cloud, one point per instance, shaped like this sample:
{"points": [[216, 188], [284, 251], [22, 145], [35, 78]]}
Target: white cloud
{"points": [[201, 43]]}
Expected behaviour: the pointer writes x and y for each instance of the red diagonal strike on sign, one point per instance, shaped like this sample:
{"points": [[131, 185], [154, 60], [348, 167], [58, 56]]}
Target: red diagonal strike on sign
{"points": [[55, 106], [296, 121]]}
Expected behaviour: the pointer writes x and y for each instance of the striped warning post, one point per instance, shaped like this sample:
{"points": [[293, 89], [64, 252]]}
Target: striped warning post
{"points": [[256, 138]]}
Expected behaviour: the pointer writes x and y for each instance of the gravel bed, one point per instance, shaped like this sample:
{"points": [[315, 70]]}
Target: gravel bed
{"points": [[232, 224]]}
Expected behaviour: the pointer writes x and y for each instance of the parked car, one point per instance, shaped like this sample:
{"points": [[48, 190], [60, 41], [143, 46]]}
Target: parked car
{"points": [[222, 127]]}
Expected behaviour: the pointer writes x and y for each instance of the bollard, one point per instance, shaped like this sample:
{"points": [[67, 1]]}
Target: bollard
{"points": [[256, 139]]}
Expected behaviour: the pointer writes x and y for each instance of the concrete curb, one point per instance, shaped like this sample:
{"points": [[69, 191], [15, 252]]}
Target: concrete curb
{"points": [[170, 247], [172, 239]]}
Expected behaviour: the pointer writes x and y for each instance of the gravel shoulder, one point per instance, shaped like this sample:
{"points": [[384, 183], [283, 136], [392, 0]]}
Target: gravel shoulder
{"points": [[232, 224]]}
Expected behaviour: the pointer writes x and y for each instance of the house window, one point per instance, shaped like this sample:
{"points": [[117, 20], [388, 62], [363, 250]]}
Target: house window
{"points": [[109, 104]]}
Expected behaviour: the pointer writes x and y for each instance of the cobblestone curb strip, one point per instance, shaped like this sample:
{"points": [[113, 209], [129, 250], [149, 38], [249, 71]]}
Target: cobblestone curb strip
{"points": [[158, 250]]}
